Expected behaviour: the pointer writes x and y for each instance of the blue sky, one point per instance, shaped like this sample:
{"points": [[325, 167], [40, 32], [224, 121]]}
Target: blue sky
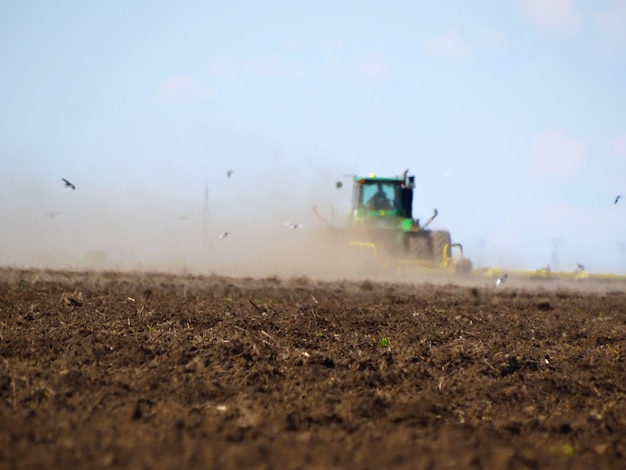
{"points": [[139, 103]]}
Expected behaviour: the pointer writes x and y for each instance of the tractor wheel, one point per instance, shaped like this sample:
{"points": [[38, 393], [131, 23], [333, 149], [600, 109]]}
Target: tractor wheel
{"points": [[464, 266], [419, 246], [441, 238]]}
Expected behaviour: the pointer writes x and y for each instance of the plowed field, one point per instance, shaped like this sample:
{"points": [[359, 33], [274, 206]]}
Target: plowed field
{"points": [[155, 371]]}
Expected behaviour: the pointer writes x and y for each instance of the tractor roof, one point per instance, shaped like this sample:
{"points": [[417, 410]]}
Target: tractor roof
{"points": [[378, 179]]}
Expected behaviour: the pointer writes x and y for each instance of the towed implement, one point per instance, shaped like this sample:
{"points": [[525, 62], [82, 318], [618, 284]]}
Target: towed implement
{"points": [[547, 274], [380, 222]]}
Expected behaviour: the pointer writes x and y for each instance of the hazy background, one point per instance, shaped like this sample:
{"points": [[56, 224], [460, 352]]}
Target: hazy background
{"points": [[511, 114]]}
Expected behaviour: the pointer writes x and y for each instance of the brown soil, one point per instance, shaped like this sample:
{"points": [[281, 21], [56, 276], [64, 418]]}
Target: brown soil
{"points": [[152, 371]]}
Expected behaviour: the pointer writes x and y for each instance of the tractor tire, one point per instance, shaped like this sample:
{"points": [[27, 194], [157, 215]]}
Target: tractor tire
{"points": [[464, 266], [440, 238], [420, 247]]}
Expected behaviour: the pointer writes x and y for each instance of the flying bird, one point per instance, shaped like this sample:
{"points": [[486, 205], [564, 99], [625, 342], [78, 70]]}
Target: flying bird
{"points": [[619, 196], [229, 173], [293, 226], [501, 280], [223, 235], [68, 184], [52, 215], [580, 267]]}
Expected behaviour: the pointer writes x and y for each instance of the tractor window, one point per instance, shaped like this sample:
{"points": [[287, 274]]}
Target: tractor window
{"points": [[381, 196]]}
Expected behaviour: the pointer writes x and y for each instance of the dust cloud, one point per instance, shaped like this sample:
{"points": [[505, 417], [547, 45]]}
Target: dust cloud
{"points": [[94, 228], [47, 226]]}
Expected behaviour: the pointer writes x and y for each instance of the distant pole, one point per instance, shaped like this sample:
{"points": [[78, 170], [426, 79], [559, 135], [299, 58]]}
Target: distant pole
{"points": [[554, 257], [205, 213], [481, 252]]}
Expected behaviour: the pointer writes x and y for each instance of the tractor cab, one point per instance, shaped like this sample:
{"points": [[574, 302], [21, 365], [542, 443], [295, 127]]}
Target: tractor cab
{"points": [[374, 197]]}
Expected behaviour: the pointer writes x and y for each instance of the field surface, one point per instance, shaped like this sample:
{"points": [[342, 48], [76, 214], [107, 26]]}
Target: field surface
{"points": [[156, 371]]}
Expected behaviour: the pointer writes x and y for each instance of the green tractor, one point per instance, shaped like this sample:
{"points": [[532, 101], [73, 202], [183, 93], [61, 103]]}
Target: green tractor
{"points": [[381, 219]]}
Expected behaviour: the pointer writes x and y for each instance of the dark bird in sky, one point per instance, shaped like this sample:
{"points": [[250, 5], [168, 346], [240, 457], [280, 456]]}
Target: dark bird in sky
{"points": [[229, 173], [224, 235], [617, 198], [68, 184], [292, 225], [52, 215], [580, 267]]}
